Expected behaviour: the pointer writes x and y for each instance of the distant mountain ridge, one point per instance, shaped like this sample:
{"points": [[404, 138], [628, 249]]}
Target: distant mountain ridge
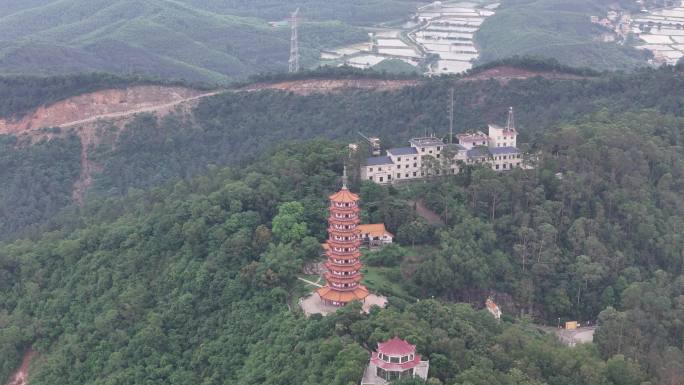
{"points": [[182, 39]]}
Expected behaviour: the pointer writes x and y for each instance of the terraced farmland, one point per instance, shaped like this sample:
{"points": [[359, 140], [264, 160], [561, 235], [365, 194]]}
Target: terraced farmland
{"points": [[662, 31], [439, 38]]}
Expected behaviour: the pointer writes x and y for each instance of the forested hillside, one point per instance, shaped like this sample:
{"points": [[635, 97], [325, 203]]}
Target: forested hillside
{"points": [[229, 127], [215, 41], [188, 283], [172, 271], [559, 29]]}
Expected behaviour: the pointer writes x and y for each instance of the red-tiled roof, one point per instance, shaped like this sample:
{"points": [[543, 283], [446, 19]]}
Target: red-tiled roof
{"points": [[395, 347], [331, 294], [377, 361], [374, 229], [344, 195]]}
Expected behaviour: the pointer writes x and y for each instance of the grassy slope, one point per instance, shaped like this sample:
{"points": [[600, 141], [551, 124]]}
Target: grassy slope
{"points": [[196, 40], [553, 28]]}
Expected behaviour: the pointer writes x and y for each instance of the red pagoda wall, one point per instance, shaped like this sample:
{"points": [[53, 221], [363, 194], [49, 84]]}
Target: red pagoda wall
{"points": [[343, 279]]}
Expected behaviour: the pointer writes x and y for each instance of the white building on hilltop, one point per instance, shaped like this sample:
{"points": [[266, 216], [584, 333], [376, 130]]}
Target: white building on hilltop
{"points": [[430, 156]]}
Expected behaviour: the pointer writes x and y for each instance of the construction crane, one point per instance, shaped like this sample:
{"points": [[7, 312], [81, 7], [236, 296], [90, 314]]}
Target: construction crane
{"points": [[294, 42], [373, 142]]}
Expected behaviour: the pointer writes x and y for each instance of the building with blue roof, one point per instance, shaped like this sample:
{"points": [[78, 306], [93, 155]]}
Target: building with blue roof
{"points": [[430, 156]]}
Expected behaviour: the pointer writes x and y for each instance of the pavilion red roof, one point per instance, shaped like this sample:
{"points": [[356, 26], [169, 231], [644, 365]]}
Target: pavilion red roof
{"points": [[395, 367], [396, 347], [344, 195]]}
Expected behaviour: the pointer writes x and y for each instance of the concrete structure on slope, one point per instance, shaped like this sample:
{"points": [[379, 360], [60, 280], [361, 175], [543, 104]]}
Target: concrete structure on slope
{"points": [[430, 156], [393, 360]]}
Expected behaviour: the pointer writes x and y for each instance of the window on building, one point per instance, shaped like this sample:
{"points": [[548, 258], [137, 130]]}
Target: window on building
{"points": [[398, 166], [407, 175], [415, 173], [437, 156], [370, 169], [415, 165], [497, 166], [415, 158], [505, 165], [439, 148], [380, 179], [430, 152], [394, 360], [399, 159], [398, 175], [422, 149]]}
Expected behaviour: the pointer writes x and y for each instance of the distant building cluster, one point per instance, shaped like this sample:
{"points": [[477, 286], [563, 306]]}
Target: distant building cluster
{"points": [[430, 156]]}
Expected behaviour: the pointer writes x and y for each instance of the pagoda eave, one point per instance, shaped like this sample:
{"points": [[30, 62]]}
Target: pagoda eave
{"points": [[358, 294]]}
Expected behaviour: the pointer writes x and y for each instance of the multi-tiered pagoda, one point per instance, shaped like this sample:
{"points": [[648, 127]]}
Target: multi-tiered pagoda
{"points": [[344, 265]]}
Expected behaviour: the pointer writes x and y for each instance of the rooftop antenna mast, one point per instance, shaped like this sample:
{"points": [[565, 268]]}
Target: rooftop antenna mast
{"points": [[344, 176], [451, 116], [294, 42], [510, 124]]}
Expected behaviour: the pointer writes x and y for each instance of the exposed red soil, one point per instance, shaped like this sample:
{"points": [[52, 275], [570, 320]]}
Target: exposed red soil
{"points": [[312, 86], [21, 376], [105, 104], [505, 74], [83, 115]]}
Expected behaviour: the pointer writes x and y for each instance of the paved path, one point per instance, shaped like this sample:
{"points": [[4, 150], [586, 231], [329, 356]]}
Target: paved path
{"points": [[310, 282], [128, 113]]}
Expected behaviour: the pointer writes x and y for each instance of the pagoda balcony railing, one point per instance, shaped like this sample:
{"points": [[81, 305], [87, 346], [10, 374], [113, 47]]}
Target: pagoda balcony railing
{"points": [[346, 239], [343, 278], [343, 232], [350, 209], [342, 252], [343, 255], [351, 283], [344, 288], [356, 266], [339, 246], [344, 220], [352, 273], [348, 227], [342, 264]]}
